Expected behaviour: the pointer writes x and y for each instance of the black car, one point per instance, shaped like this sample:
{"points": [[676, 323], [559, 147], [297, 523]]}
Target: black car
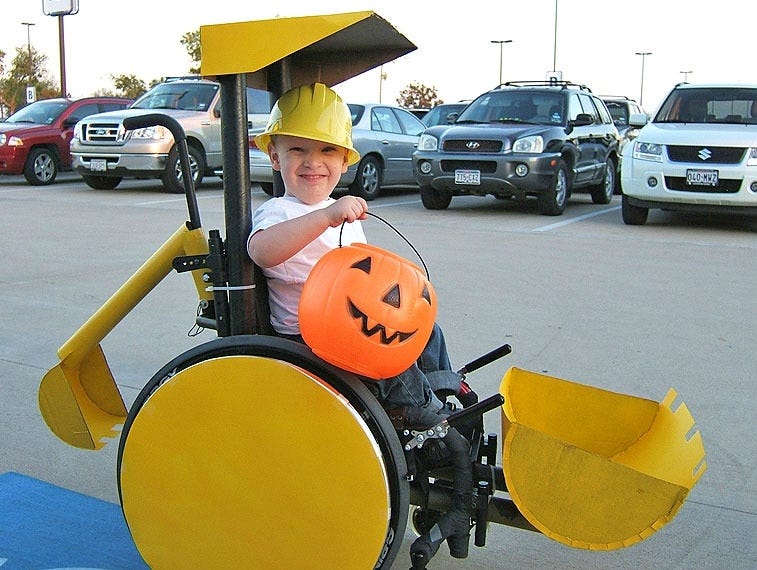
{"points": [[522, 139]]}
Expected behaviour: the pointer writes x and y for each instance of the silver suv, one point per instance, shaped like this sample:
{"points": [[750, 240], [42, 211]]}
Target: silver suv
{"points": [[105, 153]]}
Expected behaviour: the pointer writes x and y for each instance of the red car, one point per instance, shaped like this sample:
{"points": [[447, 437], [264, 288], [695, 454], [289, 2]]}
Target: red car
{"points": [[34, 141]]}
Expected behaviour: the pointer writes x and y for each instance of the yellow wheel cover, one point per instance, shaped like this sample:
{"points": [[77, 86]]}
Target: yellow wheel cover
{"points": [[250, 462]]}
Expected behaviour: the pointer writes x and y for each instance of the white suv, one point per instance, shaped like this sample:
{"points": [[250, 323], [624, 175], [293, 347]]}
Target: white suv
{"points": [[104, 152], [699, 153]]}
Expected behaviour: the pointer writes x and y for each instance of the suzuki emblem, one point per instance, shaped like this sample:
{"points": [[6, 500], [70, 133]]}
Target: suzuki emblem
{"points": [[704, 154], [472, 145]]}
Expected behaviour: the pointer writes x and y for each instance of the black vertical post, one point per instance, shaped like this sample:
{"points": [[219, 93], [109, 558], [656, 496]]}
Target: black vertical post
{"points": [[279, 81], [237, 204]]}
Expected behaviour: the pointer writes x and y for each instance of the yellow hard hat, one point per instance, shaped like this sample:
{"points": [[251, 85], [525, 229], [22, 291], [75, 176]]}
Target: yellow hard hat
{"points": [[313, 112]]}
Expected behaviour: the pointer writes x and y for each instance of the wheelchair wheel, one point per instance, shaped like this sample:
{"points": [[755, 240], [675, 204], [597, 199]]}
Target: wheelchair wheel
{"points": [[249, 451]]}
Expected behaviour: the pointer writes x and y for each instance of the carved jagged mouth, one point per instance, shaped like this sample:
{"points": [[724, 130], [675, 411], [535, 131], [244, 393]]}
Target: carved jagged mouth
{"points": [[385, 336]]}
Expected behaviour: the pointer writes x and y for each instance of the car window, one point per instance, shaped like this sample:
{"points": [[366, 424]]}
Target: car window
{"points": [[194, 96], [84, 111], [574, 107], [587, 104], [113, 106], [619, 113], [40, 113], [382, 119], [410, 123], [709, 105], [604, 114]]}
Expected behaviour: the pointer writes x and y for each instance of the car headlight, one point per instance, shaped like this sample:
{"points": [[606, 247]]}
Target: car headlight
{"points": [[529, 144], [155, 133], [752, 157], [428, 142], [77, 131], [647, 151], [11, 141], [2, 139]]}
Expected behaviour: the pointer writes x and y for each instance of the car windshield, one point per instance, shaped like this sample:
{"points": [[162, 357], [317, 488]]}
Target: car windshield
{"points": [[187, 96], [39, 113], [709, 105], [619, 113], [515, 106]]}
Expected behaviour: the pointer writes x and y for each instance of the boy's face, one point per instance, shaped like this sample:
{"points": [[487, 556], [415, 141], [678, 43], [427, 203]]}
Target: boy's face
{"points": [[310, 169]]}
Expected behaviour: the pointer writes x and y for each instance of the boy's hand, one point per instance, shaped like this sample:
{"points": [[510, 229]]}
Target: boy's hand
{"points": [[346, 209]]}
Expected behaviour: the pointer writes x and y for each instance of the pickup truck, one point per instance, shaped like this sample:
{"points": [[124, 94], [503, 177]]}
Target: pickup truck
{"points": [[105, 153]]}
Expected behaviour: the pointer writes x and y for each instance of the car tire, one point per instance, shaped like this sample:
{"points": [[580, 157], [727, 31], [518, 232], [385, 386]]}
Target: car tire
{"points": [[102, 182], [633, 215], [41, 167], [172, 176], [367, 183], [552, 201], [602, 193], [434, 199], [267, 187]]}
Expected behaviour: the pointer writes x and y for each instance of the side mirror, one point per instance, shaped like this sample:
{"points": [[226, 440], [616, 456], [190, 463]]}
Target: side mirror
{"points": [[452, 117], [70, 123], [638, 119], [582, 120]]}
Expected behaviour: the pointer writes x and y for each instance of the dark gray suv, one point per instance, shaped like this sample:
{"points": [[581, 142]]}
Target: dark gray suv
{"points": [[523, 139]]}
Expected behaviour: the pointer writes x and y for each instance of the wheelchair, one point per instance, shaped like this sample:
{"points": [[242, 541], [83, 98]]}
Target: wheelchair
{"points": [[249, 451]]}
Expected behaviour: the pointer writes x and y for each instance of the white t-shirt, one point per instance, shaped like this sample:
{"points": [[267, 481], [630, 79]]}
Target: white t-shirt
{"points": [[285, 281]]}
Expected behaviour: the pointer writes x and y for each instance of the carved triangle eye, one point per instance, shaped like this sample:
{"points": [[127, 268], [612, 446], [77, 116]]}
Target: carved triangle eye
{"points": [[363, 265], [393, 297], [425, 294]]}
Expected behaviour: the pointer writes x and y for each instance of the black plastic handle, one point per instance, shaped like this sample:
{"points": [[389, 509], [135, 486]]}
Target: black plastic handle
{"points": [[487, 358], [478, 409], [180, 138]]}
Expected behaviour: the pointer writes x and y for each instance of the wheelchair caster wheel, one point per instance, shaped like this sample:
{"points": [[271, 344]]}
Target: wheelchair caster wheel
{"points": [[422, 520]]}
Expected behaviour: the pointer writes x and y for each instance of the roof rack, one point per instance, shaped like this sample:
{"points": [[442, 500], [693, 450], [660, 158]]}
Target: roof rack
{"points": [[183, 77], [616, 97], [544, 83]]}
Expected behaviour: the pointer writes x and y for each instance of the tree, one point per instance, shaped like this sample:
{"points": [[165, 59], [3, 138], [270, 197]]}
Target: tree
{"points": [[25, 71], [191, 41], [129, 86], [418, 96]]}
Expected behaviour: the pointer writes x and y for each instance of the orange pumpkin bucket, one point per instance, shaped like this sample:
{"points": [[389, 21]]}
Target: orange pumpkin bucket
{"points": [[367, 310]]}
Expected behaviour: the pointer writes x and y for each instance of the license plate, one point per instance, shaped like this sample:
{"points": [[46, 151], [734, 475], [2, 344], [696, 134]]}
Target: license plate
{"points": [[98, 165], [468, 177], [702, 177]]}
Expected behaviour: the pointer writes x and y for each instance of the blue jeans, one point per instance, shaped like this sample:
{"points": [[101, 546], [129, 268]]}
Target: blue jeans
{"points": [[416, 387]]}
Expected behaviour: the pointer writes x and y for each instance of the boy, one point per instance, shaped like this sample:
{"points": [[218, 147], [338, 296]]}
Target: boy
{"points": [[309, 140]]}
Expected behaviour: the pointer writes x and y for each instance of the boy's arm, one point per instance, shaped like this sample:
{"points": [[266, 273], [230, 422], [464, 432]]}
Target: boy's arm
{"points": [[281, 241]]}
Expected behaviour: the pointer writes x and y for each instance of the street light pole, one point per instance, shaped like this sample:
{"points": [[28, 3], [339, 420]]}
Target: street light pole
{"points": [[686, 75], [501, 43], [554, 50], [29, 47], [643, 55]]}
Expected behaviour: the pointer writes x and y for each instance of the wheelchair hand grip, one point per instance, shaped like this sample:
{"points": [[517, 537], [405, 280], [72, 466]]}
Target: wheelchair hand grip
{"points": [[478, 409]]}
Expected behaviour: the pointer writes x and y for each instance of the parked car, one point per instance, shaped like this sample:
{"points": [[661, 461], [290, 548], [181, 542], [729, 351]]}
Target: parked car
{"points": [[442, 113], [523, 139], [621, 108], [385, 136], [105, 153], [699, 153], [34, 141]]}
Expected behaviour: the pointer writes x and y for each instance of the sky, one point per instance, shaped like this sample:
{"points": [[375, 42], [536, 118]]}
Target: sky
{"points": [[596, 42]]}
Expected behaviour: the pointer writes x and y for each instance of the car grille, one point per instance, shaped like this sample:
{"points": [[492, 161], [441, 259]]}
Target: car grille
{"points": [[472, 145], [725, 186], [485, 166], [101, 132], [712, 154]]}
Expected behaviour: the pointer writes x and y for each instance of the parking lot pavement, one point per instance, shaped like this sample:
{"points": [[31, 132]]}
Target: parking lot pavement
{"points": [[582, 297]]}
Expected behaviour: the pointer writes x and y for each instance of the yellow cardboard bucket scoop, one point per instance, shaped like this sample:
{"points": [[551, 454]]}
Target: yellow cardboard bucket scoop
{"points": [[592, 468]]}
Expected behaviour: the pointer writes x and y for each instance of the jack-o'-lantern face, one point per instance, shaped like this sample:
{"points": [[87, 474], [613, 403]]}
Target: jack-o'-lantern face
{"points": [[367, 310]]}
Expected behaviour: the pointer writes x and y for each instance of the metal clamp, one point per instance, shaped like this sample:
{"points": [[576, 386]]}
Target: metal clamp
{"points": [[418, 438]]}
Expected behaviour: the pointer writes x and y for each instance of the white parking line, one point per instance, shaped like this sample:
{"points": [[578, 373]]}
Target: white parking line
{"points": [[373, 207], [182, 199], [576, 219]]}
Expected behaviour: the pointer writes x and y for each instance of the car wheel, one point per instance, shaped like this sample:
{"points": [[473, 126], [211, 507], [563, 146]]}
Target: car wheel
{"points": [[434, 199], [602, 193], [267, 187], [633, 215], [41, 167], [102, 182], [172, 177], [367, 182], [553, 200]]}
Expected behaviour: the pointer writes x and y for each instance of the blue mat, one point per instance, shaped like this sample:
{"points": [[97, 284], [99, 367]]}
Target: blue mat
{"points": [[44, 527]]}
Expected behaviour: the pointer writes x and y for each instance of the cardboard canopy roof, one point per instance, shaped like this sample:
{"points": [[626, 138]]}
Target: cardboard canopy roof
{"points": [[282, 52]]}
